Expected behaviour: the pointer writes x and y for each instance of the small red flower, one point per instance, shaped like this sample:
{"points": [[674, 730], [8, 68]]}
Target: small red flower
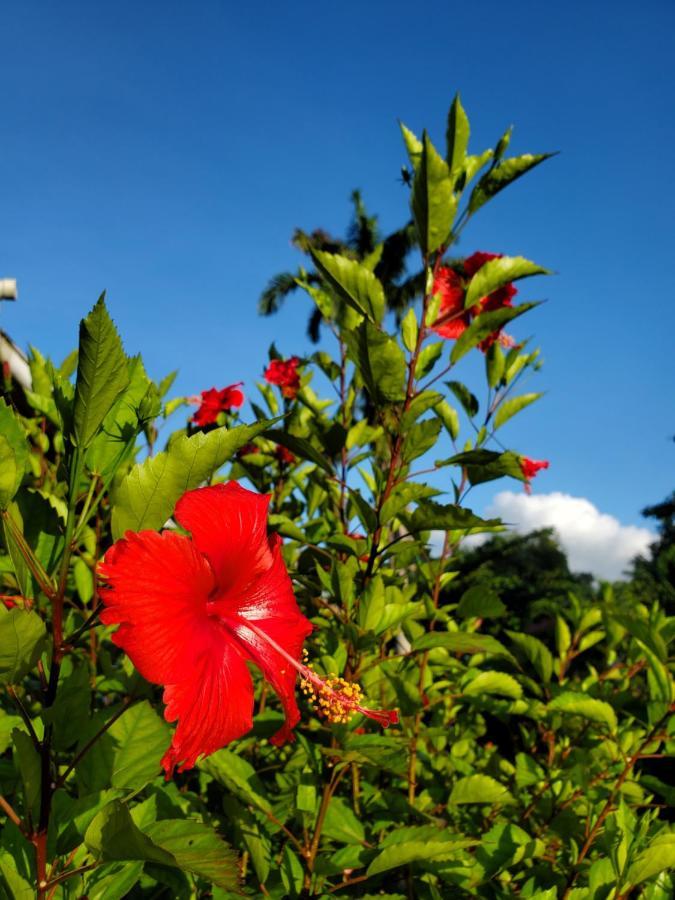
{"points": [[213, 401], [451, 283], [192, 611], [284, 456], [529, 468], [248, 450], [284, 373]]}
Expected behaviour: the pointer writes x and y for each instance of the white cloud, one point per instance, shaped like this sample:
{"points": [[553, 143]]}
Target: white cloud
{"points": [[594, 541]]}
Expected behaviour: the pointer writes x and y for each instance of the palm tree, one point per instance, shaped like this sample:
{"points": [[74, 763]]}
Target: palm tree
{"points": [[362, 239]]}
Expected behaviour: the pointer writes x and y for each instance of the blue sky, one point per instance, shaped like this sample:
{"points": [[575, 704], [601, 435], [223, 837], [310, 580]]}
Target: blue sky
{"points": [[166, 151]]}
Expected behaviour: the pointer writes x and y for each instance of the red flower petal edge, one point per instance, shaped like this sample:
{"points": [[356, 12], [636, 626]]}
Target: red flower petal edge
{"points": [[192, 611]]}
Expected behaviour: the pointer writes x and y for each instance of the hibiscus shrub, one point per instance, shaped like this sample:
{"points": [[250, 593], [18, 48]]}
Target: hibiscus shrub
{"points": [[231, 666]]}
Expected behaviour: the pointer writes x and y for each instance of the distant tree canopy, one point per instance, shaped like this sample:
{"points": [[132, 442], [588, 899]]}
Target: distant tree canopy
{"points": [[653, 576], [529, 573]]}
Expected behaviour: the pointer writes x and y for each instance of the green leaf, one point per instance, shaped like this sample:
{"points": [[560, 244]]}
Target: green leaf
{"points": [[659, 856], [13, 454], [483, 326], [419, 438], [478, 789], [494, 683], [354, 282], [449, 417], [495, 362], [102, 373], [147, 496], [502, 175], [480, 601], [428, 358], [27, 761], [409, 330], [510, 407], [402, 854], [113, 836], [486, 465], [341, 824], [380, 361], [197, 849], [462, 642], [586, 707], [238, 776], [433, 201], [468, 401], [536, 652], [430, 516], [22, 640], [299, 446], [496, 273], [413, 145], [178, 843], [128, 755], [457, 135]]}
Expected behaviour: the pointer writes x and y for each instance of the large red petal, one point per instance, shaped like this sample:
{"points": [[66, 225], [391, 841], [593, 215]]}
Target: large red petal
{"points": [[229, 526], [270, 605], [214, 705], [158, 586]]}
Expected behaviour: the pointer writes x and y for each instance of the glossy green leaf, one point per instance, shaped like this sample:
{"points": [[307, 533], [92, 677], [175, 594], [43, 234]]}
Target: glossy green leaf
{"points": [[457, 135], [409, 330], [432, 850], [486, 465], [511, 407], [381, 363], [447, 517], [147, 496], [413, 146], [478, 789], [102, 373], [197, 849], [462, 642], [27, 761], [659, 856], [433, 201], [354, 282], [588, 708], [128, 754], [13, 454], [535, 651], [481, 601], [494, 683], [496, 273], [22, 640], [238, 776], [503, 174], [449, 417]]}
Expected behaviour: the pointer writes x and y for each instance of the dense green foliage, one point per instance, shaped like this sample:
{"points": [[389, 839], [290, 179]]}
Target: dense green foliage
{"points": [[532, 703]]}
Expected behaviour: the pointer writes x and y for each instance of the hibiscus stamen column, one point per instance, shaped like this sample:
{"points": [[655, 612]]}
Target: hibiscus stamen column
{"points": [[335, 698]]}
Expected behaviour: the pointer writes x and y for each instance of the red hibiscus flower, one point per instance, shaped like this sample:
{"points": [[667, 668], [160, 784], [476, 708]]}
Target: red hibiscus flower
{"points": [[452, 283], [529, 468], [213, 401], [191, 611], [248, 450], [284, 373]]}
